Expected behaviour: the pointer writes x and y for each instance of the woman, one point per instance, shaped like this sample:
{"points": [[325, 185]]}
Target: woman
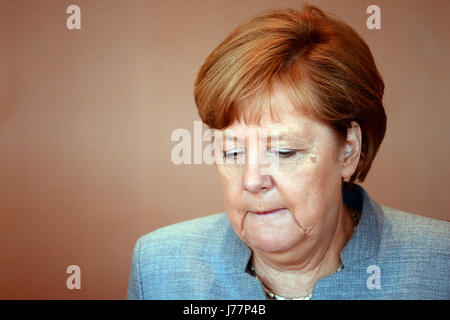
{"points": [[296, 100]]}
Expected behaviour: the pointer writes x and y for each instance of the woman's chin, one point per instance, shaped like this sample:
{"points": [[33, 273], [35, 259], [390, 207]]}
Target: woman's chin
{"points": [[271, 233], [273, 241]]}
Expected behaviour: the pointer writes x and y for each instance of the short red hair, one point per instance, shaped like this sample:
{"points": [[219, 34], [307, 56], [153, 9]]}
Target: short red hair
{"points": [[327, 68]]}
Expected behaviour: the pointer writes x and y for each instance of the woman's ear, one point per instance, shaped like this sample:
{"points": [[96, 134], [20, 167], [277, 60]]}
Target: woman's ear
{"points": [[351, 151]]}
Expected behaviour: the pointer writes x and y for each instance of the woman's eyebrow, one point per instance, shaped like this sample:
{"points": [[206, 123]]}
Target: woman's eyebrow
{"points": [[288, 136], [232, 138]]}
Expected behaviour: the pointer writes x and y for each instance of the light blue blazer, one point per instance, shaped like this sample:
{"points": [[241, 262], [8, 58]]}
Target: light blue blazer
{"points": [[391, 255]]}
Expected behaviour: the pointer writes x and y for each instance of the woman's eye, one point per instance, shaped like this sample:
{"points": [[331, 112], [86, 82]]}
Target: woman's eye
{"points": [[234, 154], [286, 153]]}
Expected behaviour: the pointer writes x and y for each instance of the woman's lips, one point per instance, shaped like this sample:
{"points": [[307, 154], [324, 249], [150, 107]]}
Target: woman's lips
{"points": [[268, 212]]}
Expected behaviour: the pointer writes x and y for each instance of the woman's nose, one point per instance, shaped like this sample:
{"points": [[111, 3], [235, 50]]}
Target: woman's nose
{"points": [[255, 181]]}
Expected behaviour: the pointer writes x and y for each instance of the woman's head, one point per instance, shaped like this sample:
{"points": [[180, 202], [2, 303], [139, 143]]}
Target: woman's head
{"points": [[312, 80], [325, 68]]}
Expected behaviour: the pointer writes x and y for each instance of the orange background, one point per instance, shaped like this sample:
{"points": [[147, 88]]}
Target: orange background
{"points": [[86, 118]]}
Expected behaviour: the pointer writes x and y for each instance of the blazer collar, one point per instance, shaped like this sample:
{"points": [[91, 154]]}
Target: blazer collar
{"points": [[365, 241]]}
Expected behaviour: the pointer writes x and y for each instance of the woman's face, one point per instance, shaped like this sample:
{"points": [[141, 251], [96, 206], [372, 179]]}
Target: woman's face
{"points": [[278, 195]]}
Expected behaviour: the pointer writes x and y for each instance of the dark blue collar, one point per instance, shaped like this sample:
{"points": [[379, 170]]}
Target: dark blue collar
{"points": [[365, 241]]}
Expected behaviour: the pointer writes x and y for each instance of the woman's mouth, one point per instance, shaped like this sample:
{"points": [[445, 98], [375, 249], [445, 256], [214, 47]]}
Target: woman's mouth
{"points": [[267, 212]]}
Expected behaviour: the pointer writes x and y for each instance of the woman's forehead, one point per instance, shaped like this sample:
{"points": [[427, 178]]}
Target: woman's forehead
{"points": [[291, 128]]}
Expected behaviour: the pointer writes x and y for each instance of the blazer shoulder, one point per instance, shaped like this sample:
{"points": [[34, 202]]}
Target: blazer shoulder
{"points": [[203, 226], [191, 237], [414, 229], [169, 262], [414, 240], [415, 253]]}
